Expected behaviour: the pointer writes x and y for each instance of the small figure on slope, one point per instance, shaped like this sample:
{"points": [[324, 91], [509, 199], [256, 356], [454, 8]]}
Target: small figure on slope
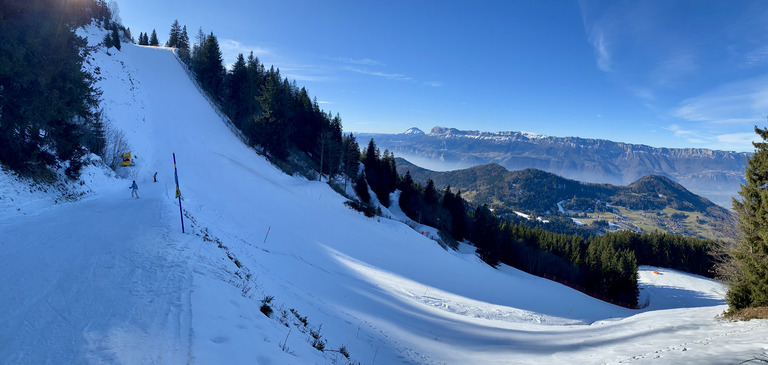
{"points": [[155, 176], [134, 190]]}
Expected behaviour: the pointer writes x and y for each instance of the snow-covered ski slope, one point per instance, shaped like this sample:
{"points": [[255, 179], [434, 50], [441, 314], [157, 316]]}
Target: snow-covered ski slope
{"points": [[110, 279]]}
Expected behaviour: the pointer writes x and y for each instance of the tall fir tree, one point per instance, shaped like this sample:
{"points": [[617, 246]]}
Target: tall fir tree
{"points": [[332, 137], [351, 157], [236, 92], [174, 34], [108, 43], [47, 100], [430, 194], [749, 284], [458, 217], [115, 37], [153, 39], [485, 235], [183, 45], [209, 66], [272, 132], [361, 188]]}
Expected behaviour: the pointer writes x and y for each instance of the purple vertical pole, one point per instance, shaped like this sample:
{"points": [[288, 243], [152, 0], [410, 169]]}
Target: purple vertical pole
{"points": [[178, 192]]}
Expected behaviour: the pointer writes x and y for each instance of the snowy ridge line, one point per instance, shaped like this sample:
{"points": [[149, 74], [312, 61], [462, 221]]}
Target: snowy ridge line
{"points": [[214, 106]]}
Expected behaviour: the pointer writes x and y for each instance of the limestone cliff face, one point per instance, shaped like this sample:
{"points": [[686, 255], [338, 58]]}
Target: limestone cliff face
{"points": [[715, 175]]}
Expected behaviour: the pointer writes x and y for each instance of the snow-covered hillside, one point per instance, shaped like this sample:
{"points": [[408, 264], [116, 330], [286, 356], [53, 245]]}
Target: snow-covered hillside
{"points": [[111, 279]]}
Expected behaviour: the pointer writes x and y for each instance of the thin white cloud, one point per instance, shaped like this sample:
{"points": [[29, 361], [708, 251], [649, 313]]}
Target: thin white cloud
{"points": [[301, 72], [723, 141], [738, 138], [232, 48], [600, 45], [304, 77], [756, 57], [390, 76], [644, 93], [434, 83], [680, 132], [594, 21], [678, 64], [361, 61], [742, 102]]}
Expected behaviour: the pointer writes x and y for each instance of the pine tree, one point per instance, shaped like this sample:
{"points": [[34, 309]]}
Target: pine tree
{"points": [[253, 88], [361, 188], [430, 194], [47, 100], [485, 237], [334, 146], [208, 66], [153, 39], [749, 284], [272, 133], [236, 93], [458, 217], [102, 13], [409, 197], [174, 35], [351, 157], [183, 45], [115, 38], [108, 41]]}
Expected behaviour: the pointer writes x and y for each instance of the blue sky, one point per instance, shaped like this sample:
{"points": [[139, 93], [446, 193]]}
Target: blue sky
{"points": [[661, 73]]}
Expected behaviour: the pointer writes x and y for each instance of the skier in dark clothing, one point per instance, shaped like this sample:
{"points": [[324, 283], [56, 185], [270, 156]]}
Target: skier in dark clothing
{"points": [[134, 190], [155, 176]]}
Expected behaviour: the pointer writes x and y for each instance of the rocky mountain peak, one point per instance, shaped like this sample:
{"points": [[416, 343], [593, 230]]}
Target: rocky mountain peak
{"points": [[415, 131]]}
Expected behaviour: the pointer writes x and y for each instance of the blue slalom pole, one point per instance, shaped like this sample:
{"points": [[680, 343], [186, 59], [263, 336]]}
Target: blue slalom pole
{"points": [[178, 192]]}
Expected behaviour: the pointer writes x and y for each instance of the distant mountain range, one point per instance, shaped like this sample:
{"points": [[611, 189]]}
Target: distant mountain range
{"points": [[652, 202], [715, 175]]}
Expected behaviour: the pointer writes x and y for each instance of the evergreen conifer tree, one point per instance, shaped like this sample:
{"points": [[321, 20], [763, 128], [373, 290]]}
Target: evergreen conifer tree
{"points": [[153, 39], [174, 35], [749, 284], [47, 100], [209, 67], [485, 238], [115, 38], [361, 188], [430, 194], [236, 93], [108, 41], [270, 124], [409, 197], [183, 45], [351, 157]]}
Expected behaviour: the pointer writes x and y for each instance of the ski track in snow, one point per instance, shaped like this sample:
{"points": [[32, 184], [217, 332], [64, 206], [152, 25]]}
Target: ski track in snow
{"points": [[110, 279]]}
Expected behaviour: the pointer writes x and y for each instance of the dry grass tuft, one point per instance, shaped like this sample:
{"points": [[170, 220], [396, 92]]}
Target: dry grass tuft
{"points": [[747, 314]]}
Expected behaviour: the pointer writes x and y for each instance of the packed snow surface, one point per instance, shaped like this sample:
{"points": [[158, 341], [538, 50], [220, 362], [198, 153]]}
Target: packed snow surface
{"points": [[111, 279]]}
